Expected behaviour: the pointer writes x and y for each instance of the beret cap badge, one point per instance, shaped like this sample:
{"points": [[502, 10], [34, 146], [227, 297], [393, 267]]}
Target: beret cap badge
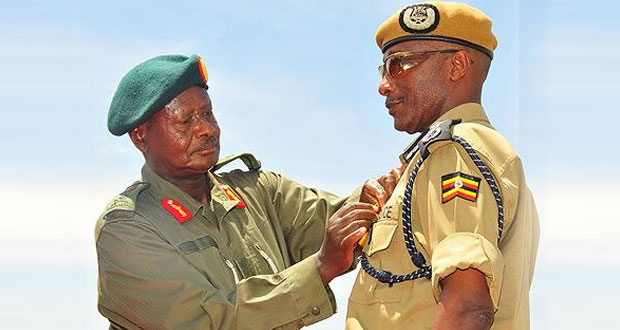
{"points": [[419, 18]]}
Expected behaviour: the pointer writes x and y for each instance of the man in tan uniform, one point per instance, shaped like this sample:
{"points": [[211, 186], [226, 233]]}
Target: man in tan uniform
{"points": [[188, 248], [455, 245]]}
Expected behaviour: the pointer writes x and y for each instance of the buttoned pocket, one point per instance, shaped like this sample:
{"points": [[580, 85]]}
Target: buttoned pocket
{"points": [[382, 234], [203, 253], [367, 289], [252, 264]]}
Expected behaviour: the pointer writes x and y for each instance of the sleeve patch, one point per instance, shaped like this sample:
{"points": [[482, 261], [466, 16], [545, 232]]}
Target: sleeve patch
{"points": [[461, 185]]}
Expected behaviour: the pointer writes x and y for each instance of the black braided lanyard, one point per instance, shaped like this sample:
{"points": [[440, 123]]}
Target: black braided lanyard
{"points": [[417, 258]]}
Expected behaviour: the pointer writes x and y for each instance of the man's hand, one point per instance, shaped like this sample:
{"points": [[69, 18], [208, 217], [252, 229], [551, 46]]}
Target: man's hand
{"points": [[378, 191], [343, 231]]}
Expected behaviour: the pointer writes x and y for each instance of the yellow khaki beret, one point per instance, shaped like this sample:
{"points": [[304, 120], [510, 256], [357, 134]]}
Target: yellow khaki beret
{"points": [[438, 20]]}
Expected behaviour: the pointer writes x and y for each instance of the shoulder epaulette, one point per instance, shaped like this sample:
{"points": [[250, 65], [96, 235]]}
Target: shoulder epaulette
{"points": [[126, 201], [248, 159], [121, 206], [440, 131]]}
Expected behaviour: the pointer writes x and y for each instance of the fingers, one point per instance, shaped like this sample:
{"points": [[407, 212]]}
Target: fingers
{"points": [[396, 173], [350, 229], [402, 169], [350, 240], [353, 217], [355, 225], [389, 181], [365, 214], [375, 191], [354, 206]]}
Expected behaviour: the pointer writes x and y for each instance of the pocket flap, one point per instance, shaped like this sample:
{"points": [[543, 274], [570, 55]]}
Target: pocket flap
{"points": [[197, 245], [382, 233]]}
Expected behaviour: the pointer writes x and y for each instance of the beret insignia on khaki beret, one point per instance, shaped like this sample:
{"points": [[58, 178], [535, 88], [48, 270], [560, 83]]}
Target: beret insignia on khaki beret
{"points": [[446, 21], [420, 18]]}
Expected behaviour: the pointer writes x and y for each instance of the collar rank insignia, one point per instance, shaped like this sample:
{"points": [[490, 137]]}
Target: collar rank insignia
{"points": [[232, 195], [461, 185], [177, 210]]}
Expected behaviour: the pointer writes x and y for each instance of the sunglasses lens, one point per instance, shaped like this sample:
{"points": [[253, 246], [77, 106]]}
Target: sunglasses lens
{"points": [[393, 66]]}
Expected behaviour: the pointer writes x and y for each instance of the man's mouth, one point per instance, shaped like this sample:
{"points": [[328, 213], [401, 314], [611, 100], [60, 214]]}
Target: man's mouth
{"points": [[391, 103], [208, 145]]}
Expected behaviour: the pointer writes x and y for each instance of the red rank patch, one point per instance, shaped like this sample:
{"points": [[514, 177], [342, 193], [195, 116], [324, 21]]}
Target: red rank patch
{"points": [[232, 195], [177, 210]]}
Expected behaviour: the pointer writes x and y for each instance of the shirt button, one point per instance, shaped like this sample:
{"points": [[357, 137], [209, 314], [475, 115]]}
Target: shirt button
{"points": [[316, 311]]}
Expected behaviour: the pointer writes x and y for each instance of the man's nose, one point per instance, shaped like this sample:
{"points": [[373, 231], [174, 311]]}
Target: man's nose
{"points": [[204, 127], [385, 88]]}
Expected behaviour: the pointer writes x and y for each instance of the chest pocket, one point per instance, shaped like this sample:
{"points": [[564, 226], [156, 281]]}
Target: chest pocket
{"points": [[382, 235], [204, 255], [383, 250], [384, 230], [255, 262], [254, 257]]}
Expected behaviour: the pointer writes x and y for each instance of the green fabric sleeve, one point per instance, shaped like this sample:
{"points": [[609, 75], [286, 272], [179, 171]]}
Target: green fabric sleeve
{"points": [[303, 212]]}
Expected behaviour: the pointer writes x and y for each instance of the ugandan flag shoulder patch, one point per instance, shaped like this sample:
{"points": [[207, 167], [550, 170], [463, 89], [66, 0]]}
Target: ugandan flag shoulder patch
{"points": [[461, 185]]}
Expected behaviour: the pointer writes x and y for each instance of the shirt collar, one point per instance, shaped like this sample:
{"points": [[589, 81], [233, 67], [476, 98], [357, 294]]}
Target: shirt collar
{"points": [[218, 195], [468, 112], [164, 189]]}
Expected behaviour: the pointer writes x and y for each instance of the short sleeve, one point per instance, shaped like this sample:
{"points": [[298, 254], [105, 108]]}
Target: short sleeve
{"points": [[458, 218]]}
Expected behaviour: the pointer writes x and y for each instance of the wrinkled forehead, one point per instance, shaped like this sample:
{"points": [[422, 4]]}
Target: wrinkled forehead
{"points": [[191, 99]]}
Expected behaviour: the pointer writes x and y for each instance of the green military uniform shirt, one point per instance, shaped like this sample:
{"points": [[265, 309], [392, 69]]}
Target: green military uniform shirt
{"points": [[245, 261], [453, 228]]}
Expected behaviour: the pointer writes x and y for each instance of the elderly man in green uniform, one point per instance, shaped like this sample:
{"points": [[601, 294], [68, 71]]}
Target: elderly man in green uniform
{"points": [[188, 248], [455, 245]]}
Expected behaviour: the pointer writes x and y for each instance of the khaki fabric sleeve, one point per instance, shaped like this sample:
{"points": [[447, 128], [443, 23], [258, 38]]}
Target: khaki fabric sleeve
{"points": [[457, 232], [145, 284]]}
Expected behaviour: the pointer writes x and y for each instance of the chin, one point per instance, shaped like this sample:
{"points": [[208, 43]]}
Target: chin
{"points": [[404, 127], [203, 164]]}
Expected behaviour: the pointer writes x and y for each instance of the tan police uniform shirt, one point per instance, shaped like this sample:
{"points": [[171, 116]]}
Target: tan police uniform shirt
{"points": [[457, 233], [245, 261]]}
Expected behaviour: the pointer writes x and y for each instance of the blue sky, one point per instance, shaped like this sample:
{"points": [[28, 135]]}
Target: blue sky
{"points": [[294, 82]]}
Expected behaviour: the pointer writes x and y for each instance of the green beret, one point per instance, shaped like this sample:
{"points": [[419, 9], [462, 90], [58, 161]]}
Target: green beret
{"points": [[151, 85]]}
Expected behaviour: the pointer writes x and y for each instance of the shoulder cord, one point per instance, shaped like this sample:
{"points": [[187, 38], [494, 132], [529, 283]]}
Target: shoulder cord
{"points": [[417, 258]]}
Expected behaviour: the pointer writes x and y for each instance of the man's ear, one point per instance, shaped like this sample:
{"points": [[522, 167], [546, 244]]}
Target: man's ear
{"points": [[461, 63], [138, 137]]}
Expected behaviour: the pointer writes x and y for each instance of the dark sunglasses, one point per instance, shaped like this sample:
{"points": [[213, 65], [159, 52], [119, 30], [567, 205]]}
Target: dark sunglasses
{"points": [[399, 62]]}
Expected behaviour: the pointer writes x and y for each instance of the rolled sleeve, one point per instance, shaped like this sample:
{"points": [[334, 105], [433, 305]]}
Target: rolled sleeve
{"points": [[468, 250], [455, 232]]}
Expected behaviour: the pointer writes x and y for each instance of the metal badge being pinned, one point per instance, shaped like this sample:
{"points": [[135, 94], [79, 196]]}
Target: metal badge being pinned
{"points": [[420, 18]]}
